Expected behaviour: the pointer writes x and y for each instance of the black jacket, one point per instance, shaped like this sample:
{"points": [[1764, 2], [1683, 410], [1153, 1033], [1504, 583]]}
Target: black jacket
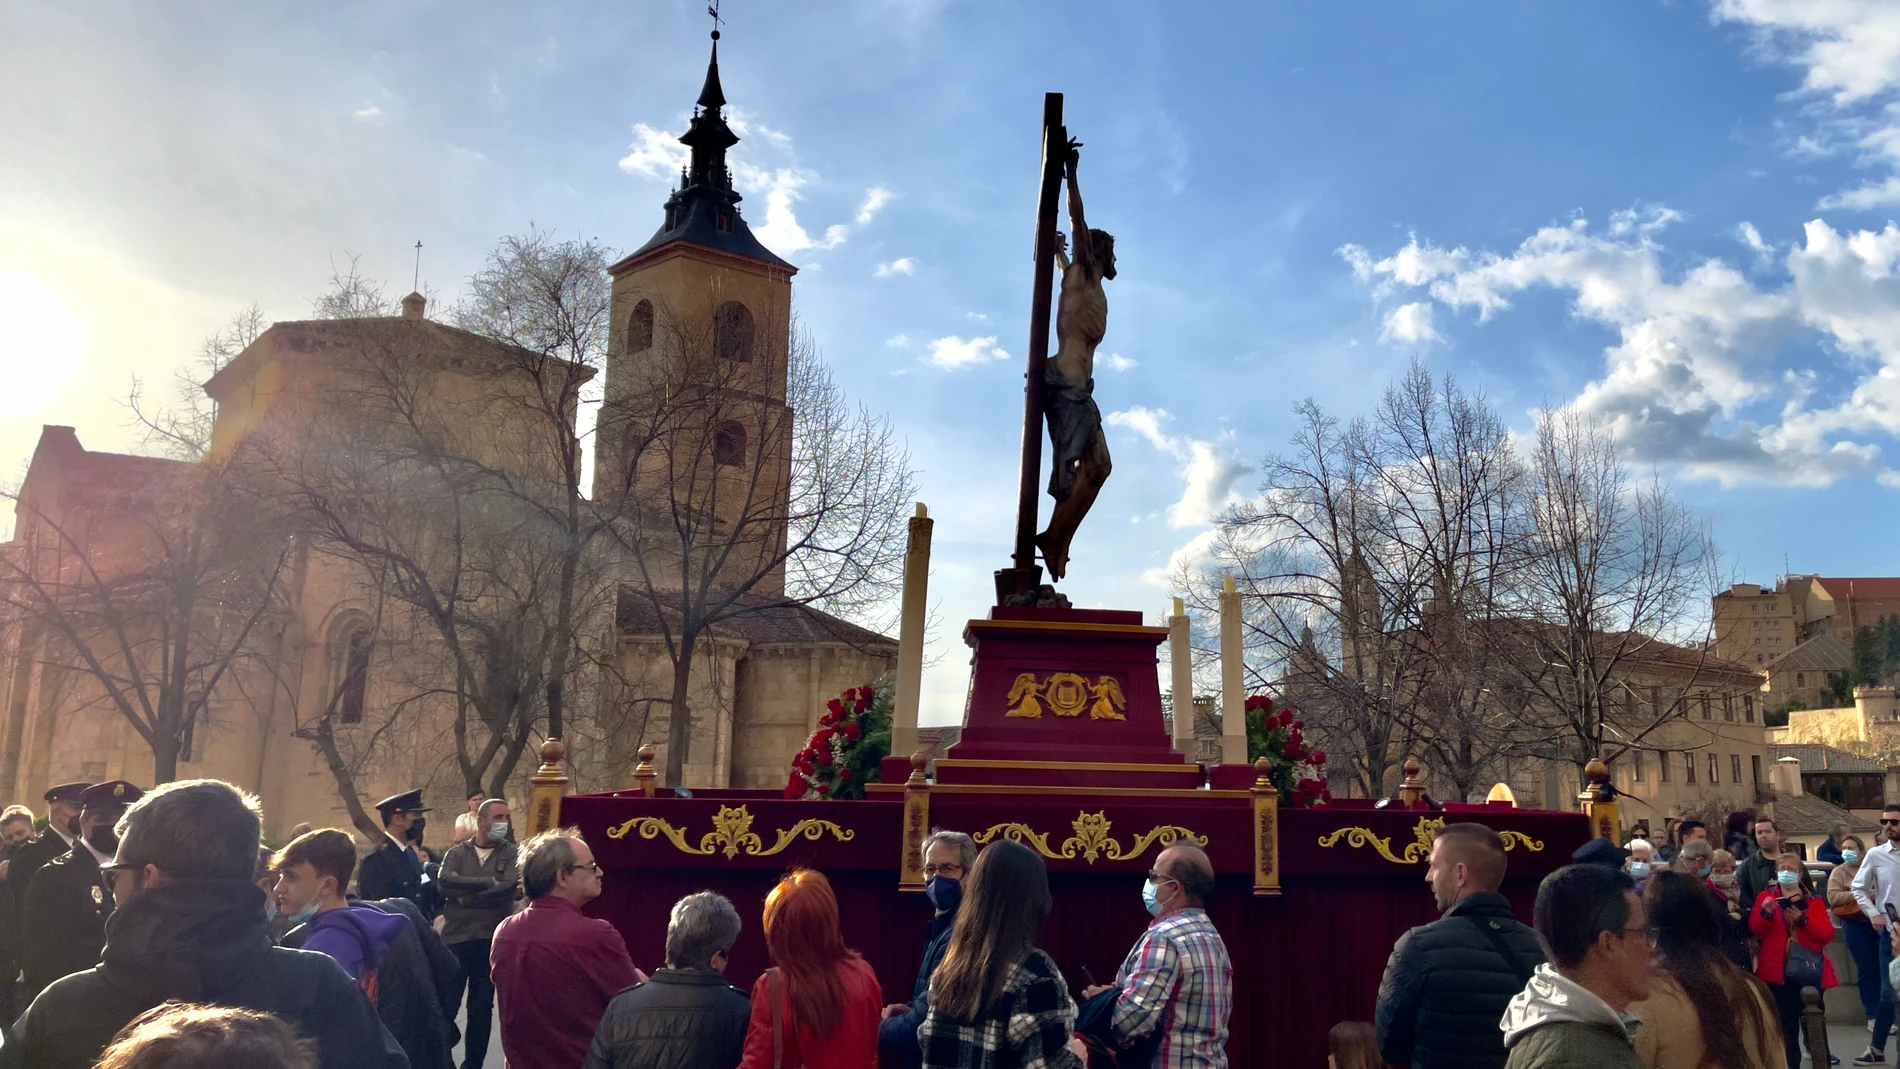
{"points": [[63, 925], [899, 1034], [1446, 987], [26, 860], [1755, 874], [419, 986], [391, 871], [198, 940], [678, 1019]]}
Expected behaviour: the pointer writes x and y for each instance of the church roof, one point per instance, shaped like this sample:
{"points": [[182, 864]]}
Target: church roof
{"points": [[704, 210], [402, 335], [1860, 586], [759, 621], [1822, 653]]}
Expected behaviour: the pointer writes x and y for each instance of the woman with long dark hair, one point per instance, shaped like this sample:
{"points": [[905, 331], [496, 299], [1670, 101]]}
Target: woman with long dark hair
{"points": [[1704, 1011], [1794, 927], [997, 999], [819, 1008]]}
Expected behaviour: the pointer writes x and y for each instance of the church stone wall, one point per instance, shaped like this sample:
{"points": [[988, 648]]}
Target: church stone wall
{"points": [[782, 693]]}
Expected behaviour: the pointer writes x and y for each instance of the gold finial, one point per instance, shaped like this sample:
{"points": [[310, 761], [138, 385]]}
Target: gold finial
{"points": [[1262, 780], [1596, 771], [643, 774], [917, 762]]}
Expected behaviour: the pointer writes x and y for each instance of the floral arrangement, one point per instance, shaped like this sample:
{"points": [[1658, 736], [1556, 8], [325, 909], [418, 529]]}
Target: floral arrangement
{"points": [[852, 740], [1299, 774]]}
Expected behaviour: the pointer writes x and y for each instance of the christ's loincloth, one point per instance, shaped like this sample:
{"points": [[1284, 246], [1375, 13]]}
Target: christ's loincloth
{"points": [[1075, 425]]}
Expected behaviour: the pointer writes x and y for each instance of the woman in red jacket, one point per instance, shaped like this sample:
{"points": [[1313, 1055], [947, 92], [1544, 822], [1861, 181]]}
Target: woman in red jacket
{"points": [[1790, 913], [820, 1007]]}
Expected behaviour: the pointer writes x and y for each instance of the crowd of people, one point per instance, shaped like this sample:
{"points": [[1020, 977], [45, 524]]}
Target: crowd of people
{"points": [[159, 932], [148, 929], [1686, 955]]}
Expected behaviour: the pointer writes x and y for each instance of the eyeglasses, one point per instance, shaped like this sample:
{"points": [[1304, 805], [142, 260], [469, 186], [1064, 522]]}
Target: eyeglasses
{"points": [[1160, 877], [952, 871], [1884, 820], [591, 866], [1652, 934]]}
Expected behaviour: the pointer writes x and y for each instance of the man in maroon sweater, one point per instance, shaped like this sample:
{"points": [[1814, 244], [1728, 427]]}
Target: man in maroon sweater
{"points": [[554, 969]]}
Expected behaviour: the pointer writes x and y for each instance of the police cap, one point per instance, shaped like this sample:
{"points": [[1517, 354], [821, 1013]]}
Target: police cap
{"points": [[112, 794], [67, 792], [406, 802]]}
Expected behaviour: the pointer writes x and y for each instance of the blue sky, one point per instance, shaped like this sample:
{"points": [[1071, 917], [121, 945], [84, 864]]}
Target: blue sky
{"points": [[1673, 214]]}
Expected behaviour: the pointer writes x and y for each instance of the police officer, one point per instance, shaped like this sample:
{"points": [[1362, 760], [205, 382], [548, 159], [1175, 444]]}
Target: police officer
{"points": [[393, 870], [62, 829], [63, 925]]}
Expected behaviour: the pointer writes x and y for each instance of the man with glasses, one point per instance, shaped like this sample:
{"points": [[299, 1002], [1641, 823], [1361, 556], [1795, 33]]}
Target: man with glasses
{"points": [[1175, 990], [555, 969], [948, 857], [1574, 1011], [190, 926], [1874, 887]]}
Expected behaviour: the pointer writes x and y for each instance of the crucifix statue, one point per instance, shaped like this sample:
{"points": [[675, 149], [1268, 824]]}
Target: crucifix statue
{"points": [[1061, 388]]}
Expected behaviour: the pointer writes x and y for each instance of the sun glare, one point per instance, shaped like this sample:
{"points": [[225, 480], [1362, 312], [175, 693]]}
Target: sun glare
{"points": [[40, 345]]}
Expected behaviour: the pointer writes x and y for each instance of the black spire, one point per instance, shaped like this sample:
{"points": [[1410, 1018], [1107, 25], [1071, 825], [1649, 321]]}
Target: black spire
{"points": [[710, 95], [705, 208]]}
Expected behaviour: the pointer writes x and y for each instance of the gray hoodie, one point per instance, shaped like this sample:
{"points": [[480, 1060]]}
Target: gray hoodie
{"points": [[1556, 1023]]}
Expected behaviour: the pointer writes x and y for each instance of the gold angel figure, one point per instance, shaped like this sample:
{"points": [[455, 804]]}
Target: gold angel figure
{"points": [[1108, 699], [1022, 698]]}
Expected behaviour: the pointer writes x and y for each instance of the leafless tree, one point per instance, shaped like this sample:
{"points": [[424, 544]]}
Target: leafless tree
{"points": [[1615, 580], [180, 427], [151, 590], [739, 505]]}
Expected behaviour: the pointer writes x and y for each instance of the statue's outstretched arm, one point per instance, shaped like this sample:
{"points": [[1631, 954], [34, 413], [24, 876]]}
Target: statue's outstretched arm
{"points": [[1084, 252]]}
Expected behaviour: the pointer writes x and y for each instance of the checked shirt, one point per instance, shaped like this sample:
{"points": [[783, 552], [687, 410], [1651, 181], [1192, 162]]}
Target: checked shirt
{"points": [[1179, 979], [1027, 1027]]}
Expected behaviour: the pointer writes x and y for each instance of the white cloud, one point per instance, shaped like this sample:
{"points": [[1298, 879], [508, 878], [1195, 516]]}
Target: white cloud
{"points": [[875, 199], [1410, 323], [1210, 473], [954, 353], [654, 153], [781, 231], [368, 113], [903, 265], [898, 341], [1849, 53], [1699, 375], [1118, 362]]}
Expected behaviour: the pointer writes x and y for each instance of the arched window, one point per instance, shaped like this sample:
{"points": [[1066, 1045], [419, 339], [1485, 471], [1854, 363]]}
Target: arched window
{"points": [[354, 682], [729, 443], [732, 331], [640, 328], [1800, 679]]}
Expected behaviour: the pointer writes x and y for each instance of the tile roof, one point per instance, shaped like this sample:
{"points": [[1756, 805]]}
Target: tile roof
{"points": [[761, 621], [1805, 814], [1861, 586], [1822, 653], [1816, 758]]}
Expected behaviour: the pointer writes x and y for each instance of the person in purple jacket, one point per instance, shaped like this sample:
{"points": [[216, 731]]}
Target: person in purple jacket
{"points": [[380, 948]]}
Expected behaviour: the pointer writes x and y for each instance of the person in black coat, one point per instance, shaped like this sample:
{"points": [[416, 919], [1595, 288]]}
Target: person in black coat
{"points": [[62, 830], [190, 927], [63, 926], [1448, 982], [948, 857], [684, 1016], [392, 869]]}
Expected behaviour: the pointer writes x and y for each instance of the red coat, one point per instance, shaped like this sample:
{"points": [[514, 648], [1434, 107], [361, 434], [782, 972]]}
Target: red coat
{"points": [[852, 1046], [1773, 933]]}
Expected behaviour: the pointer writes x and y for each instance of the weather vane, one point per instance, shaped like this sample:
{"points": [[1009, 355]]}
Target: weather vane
{"points": [[713, 10]]}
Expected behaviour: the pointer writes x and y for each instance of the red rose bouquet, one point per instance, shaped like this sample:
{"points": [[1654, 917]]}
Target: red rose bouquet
{"points": [[1298, 773], [844, 754]]}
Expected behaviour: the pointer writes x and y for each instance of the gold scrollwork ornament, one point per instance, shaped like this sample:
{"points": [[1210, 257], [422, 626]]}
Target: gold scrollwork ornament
{"points": [[1091, 840], [1423, 833], [732, 834]]}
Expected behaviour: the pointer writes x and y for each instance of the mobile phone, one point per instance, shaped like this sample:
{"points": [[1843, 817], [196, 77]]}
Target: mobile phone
{"points": [[1088, 978], [1893, 915]]}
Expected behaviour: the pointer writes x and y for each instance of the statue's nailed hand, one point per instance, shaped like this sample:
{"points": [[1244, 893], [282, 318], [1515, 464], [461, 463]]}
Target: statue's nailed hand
{"points": [[1062, 242], [1072, 156]]}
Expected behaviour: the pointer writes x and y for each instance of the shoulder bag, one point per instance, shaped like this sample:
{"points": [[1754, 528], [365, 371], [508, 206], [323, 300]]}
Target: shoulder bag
{"points": [[778, 1029], [1801, 967], [1490, 930]]}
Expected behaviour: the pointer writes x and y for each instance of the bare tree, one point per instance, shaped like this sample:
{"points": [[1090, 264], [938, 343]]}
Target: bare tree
{"points": [[1615, 580], [180, 427], [150, 590], [739, 505]]}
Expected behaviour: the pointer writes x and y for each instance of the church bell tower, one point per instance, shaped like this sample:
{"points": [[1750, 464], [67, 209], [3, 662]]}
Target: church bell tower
{"points": [[695, 414]]}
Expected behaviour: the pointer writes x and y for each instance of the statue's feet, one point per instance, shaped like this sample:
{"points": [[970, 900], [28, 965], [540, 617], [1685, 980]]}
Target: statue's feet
{"points": [[1057, 560]]}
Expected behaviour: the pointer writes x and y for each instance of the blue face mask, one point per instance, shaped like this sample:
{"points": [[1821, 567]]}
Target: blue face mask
{"points": [[1789, 880], [1148, 898], [303, 915], [498, 831], [1848, 857], [1639, 869], [1703, 872], [944, 893]]}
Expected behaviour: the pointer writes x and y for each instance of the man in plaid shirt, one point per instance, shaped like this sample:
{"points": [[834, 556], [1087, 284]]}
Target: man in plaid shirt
{"points": [[1177, 983]]}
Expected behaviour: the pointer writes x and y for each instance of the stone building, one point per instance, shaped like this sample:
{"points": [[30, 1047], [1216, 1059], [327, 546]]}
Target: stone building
{"points": [[1870, 727], [1754, 624], [1799, 677], [326, 647]]}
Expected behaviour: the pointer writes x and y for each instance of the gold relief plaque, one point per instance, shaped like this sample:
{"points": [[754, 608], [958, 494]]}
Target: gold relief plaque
{"points": [[732, 831], [1091, 839], [1067, 694], [1423, 833]]}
